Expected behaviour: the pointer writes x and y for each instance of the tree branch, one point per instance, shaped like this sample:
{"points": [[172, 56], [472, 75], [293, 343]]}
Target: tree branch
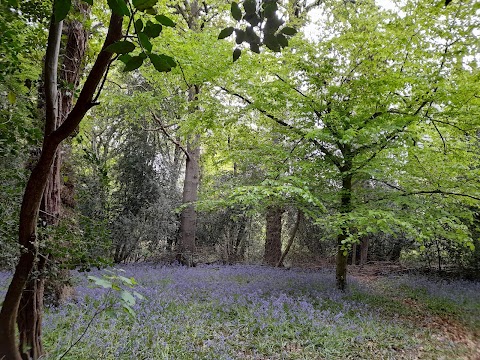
{"points": [[51, 70], [84, 102], [165, 132], [328, 154]]}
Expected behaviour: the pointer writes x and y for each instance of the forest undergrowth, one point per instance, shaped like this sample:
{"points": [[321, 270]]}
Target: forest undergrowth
{"points": [[257, 312]]}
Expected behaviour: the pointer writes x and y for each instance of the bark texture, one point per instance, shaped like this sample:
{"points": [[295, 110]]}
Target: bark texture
{"points": [[291, 238], [188, 219], [29, 319], [364, 250], [345, 207], [273, 238], [37, 182], [190, 11]]}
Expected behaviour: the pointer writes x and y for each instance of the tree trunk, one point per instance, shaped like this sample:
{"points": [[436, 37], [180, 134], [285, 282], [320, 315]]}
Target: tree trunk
{"points": [[38, 178], [292, 237], [273, 239], [188, 218], [364, 250], [354, 254], [31, 305], [345, 208]]}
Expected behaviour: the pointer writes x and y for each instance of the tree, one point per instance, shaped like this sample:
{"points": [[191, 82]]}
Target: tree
{"points": [[361, 110], [53, 136]]}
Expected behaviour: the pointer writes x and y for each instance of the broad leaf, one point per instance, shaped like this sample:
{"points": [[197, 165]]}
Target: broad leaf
{"points": [[121, 47], [143, 5], [100, 282], [236, 54], [250, 6], [255, 48], [12, 98], [253, 19], [288, 31], [138, 25], [225, 33], [61, 9], [269, 9], [127, 297], [134, 63], [271, 42], [146, 44], [162, 63], [125, 58], [119, 7], [282, 40], [165, 21], [272, 24], [251, 35], [240, 36], [236, 11], [152, 30]]}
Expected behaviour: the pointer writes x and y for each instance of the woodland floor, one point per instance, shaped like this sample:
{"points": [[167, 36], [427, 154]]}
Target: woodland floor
{"points": [[256, 312], [449, 322]]}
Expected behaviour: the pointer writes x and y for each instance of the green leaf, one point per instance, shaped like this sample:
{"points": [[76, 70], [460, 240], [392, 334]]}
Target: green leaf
{"points": [[134, 63], [165, 21], [12, 98], [119, 7], [152, 30], [121, 47], [129, 310], [253, 19], [127, 297], [236, 11], [282, 40], [125, 58], [100, 282], [255, 48], [236, 54], [225, 33], [146, 44], [116, 287], [250, 6], [143, 5], [138, 25], [269, 9], [271, 42], [162, 63], [89, 2], [240, 36], [138, 295], [61, 9], [126, 280], [287, 30]]}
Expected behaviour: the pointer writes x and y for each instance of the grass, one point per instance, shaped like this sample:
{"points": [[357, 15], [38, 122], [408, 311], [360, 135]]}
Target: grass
{"points": [[255, 312]]}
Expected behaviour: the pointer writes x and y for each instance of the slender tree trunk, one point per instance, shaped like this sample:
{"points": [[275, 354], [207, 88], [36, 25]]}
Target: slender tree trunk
{"points": [[38, 179], [354, 254], [31, 305], [188, 220], [345, 207], [292, 237], [273, 238], [364, 250]]}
